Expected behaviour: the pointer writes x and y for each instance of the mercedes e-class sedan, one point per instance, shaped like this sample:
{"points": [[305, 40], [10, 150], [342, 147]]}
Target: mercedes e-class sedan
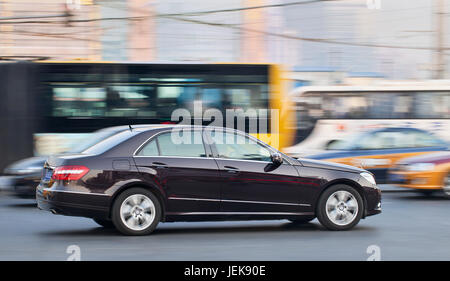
{"points": [[137, 178]]}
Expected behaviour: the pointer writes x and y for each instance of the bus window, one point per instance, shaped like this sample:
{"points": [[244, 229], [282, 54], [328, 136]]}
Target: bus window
{"points": [[129, 101], [436, 105], [76, 101], [337, 106]]}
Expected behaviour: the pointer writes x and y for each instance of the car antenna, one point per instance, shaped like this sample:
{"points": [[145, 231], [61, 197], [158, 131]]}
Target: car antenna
{"points": [[131, 128]]}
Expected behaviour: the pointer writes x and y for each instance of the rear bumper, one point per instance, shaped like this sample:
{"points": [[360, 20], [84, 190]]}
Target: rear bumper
{"points": [[71, 203]]}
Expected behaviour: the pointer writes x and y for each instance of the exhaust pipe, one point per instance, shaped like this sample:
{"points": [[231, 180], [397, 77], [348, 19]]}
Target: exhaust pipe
{"points": [[53, 211]]}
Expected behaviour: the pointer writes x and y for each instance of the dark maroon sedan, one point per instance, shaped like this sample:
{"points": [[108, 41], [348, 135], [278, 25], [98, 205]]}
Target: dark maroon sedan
{"points": [[140, 177]]}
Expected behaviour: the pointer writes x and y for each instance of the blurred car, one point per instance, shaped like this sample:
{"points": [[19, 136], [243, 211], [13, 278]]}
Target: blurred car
{"points": [[136, 179], [22, 177], [427, 173], [379, 150]]}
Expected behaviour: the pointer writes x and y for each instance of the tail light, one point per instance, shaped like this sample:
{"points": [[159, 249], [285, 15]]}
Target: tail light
{"points": [[70, 173]]}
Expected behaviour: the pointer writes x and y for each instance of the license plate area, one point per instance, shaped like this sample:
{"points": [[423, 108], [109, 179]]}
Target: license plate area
{"points": [[47, 175]]}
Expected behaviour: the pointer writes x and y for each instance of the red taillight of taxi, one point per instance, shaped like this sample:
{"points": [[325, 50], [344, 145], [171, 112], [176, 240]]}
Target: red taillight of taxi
{"points": [[69, 173]]}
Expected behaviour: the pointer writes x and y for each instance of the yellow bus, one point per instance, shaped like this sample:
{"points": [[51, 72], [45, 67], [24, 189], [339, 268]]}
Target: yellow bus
{"points": [[65, 100]]}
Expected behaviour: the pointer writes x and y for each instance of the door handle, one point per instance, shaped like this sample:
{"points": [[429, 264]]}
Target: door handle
{"points": [[231, 170], [160, 165]]}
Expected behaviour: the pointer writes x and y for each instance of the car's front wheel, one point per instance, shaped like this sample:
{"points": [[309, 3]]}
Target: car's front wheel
{"points": [[340, 207], [136, 211]]}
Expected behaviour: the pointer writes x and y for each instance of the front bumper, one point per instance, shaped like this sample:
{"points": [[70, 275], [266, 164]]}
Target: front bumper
{"points": [[372, 196], [73, 203]]}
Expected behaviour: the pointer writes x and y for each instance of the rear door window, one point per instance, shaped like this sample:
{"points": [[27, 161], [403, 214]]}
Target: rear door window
{"points": [[185, 144]]}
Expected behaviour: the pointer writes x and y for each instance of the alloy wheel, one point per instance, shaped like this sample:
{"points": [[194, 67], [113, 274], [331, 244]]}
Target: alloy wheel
{"points": [[341, 208], [137, 212]]}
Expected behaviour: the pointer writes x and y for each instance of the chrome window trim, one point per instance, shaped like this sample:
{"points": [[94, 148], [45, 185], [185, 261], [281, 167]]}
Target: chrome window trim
{"points": [[258, 141], [189, 157], [209, 158], [167, 131], [203, 129], [144, 143]]}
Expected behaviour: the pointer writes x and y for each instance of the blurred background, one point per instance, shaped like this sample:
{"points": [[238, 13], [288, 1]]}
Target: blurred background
{"points": [[335, 71], [397, 39]]}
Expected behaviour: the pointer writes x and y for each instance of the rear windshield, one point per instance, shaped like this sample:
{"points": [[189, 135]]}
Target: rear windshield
{"points": [[110, 142], [93, 139]]}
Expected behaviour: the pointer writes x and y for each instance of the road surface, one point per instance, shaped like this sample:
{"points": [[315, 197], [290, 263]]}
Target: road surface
{"points": [[411, 227]]}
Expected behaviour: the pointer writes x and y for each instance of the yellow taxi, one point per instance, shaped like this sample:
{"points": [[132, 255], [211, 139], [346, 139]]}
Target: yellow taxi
{"points": [[380, 150], [425, 173]]}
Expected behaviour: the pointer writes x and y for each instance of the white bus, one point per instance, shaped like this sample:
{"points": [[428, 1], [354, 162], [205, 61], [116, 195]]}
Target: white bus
{"points": [[329, 113]]}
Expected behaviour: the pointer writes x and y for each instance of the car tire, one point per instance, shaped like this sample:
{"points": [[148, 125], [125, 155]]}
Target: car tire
{"points": [[446, 186], [340, 207], [136, 211], [104, 223], [302, 220]]}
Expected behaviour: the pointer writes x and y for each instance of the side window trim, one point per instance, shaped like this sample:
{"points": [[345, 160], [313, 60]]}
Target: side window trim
{"points": [[150, 139], [215, 152], [206, 147]]}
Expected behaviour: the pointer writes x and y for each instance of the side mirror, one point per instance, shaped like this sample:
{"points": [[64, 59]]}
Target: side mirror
{"points": [[276, 159]]}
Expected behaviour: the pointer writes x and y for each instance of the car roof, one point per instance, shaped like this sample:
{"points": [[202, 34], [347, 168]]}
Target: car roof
{"points": [[173, 126], [127, 127]]}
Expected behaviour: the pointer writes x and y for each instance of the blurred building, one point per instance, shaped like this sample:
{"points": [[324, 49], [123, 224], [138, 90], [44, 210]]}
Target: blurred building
{"points": [[400, 39], [30, 28]]}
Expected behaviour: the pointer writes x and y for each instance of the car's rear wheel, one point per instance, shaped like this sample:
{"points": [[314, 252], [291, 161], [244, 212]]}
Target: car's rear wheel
{"points": [[340, 207], [302, 220], [136, 211], [104, 223], [446, 186]]}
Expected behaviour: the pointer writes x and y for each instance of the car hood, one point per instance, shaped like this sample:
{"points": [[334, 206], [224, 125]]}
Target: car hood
{"points": [[329, 165], [26, 166], [436, 158]]}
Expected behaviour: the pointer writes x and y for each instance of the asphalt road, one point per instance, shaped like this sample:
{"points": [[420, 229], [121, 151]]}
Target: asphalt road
{"points": [[411, 227]]}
